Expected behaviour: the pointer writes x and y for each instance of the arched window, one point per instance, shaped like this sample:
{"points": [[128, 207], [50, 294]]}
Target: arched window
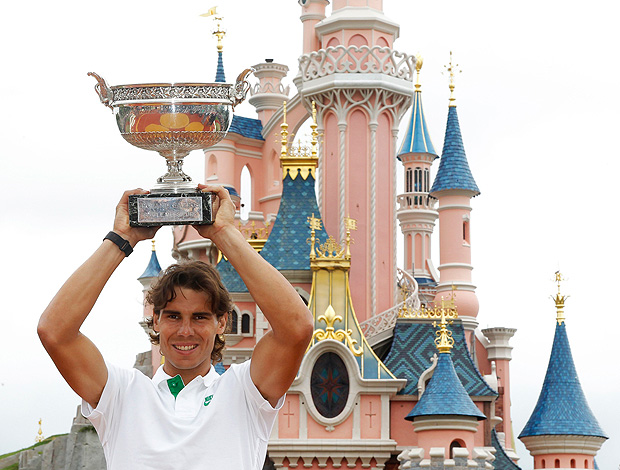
{"points": [[585, 463], [246, 192], [427, 179], [573, 463], [233, 323], [557, 463], [409, 180], [245, 323], [543, 463], [456, 444]]}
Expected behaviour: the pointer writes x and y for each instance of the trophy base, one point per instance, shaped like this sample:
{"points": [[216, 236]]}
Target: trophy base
{"points": [[186, 208]]}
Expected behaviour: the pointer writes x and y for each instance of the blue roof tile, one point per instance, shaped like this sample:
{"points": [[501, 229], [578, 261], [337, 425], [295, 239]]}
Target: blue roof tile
{"points": [[445, 394], [220, 77], [414, 345], [502, 461], [417, 139], [153, 269], [247, 127], [287, 247], [562, 408], [230, 278], [454, 172]]}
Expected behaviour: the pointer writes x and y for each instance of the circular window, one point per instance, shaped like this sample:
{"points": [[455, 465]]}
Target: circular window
{"points": [[329, 385]]}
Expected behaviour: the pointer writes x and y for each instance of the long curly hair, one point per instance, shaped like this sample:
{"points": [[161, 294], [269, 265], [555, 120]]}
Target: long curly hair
{"points": [[198, 276]]}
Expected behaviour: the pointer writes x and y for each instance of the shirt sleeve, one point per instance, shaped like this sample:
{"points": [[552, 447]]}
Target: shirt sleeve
{"points": [[110, 402], [266, 414]]}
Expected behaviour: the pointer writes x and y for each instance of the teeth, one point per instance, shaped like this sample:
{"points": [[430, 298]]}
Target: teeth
{"points": [[185, 348]]}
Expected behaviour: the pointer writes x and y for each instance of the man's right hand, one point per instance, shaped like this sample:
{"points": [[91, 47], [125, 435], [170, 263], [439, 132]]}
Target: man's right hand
{"points": [[121, 221]]}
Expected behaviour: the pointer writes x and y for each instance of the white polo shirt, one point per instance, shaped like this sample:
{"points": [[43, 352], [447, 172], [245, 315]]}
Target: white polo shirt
{"points": [[215, 422]]}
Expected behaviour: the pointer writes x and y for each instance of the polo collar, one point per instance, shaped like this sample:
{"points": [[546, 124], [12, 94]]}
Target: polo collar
{"points": [[161, 379]]}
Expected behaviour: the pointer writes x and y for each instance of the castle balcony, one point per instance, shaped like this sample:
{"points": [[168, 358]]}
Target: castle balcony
{"points": [[416, 201], [356, 67]]}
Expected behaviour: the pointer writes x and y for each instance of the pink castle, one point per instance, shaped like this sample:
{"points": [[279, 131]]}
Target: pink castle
{"points": [[377, 389]]}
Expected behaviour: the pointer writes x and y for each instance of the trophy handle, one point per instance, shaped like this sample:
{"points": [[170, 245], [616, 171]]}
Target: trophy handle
{"points": [[241, 88], [104, 91]]}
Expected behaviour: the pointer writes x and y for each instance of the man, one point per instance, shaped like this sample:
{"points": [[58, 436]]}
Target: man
{"points": [[188, 417]]}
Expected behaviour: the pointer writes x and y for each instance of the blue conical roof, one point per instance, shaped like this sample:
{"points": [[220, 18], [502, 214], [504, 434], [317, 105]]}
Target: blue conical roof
{"points": [[454, 172], [153, 269], [219, 74], [562, 408], [445, 394], [287, 247], [417, 139]]}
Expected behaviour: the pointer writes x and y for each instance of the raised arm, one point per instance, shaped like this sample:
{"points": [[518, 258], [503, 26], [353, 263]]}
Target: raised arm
{"points": [[76, 357], [278, 354]]}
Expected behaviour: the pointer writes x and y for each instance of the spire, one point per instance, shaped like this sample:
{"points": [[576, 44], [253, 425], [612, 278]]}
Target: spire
{"points": [[220, 77], [286, 247], [445, 394], [451, 70], [417, 138], [454, 172], [562, 408], [153, 269]]}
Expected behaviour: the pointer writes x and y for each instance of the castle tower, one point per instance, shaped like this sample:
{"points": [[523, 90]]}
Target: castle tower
{"points": [[269, 93], [445, 416], [416, 209], [312, 12], [562, 431], [454, 186], [360, 97], [147, 278]]}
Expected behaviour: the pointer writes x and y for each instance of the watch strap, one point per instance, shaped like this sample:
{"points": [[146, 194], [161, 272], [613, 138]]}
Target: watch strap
{"points": [[119, 241]]}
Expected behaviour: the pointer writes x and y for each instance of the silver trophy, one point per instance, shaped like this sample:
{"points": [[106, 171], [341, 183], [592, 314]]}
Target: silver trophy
{"points": [[173, 119]]}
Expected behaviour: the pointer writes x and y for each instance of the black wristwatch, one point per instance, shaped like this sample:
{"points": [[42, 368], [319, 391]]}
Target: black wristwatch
{"points": [[119, 241]]}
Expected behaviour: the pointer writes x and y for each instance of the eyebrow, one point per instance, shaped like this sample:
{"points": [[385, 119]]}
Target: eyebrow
{"points": [[168, 311]]}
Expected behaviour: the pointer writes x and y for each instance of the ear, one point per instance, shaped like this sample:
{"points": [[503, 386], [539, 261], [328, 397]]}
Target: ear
{"points": [[221, 324], [156, 322]]}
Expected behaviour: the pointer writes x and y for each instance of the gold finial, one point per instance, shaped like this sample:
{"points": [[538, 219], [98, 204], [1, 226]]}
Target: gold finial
{"points": [[452, 69], [314, 133], [418, 66], [349, 224], [444, 340], [153, 242], [219, 33], [559, 299], [330, 317], [284, 133], [315, 224], [39, 437]]}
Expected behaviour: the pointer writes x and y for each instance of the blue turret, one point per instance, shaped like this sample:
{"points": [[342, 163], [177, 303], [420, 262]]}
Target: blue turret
{"points": [[445, 394], [417, 138], [454, 172], [153, 269], [562, 408], [562, 418]]}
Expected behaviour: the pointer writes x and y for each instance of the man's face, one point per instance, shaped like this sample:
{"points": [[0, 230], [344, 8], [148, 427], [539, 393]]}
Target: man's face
{"points": [[187, 329]]}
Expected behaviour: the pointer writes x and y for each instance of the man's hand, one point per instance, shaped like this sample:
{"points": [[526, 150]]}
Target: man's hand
{"points": [[223, 212], [121, 221]]}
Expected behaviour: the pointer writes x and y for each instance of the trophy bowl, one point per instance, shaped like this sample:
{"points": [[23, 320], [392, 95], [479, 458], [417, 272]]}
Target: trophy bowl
{"points": [[173, 119]]}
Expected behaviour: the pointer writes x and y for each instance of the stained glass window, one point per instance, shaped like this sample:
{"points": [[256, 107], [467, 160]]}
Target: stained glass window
{"points": [[329, 385]]}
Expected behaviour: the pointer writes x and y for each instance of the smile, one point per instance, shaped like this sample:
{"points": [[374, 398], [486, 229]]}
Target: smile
{"points": [[185, 348]]}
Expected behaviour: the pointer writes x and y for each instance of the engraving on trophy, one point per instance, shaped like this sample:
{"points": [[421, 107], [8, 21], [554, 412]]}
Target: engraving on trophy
{"points": [[169, 209], [173, 119]]}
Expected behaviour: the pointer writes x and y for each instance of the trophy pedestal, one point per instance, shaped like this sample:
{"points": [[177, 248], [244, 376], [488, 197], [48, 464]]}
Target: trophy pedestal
{"points": [[186, 208]]}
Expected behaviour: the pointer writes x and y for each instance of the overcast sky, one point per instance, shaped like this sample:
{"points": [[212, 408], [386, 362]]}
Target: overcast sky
{"points": [[537, 106]]}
